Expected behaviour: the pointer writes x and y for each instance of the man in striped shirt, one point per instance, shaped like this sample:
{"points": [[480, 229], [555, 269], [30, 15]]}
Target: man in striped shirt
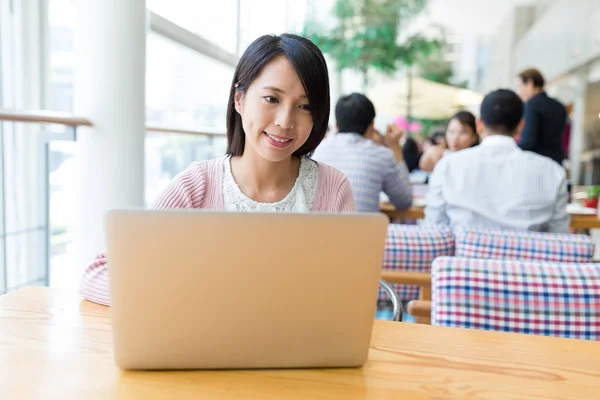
{"points": [[370, 168], [497, 184]]}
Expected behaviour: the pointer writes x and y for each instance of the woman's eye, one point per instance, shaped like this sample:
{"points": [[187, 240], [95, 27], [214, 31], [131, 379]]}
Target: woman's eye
{"points": [[271, 99], [305, 107]]}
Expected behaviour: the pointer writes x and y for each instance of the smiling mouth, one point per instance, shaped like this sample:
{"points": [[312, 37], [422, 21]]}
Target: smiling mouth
{"points": [[277, 141]]}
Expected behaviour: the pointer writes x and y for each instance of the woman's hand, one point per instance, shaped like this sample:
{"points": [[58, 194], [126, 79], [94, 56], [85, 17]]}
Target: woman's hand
{"points": [[430, 157]]}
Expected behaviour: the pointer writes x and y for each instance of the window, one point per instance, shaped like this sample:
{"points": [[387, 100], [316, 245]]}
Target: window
{"points": [[261, 17], [214, 22], [186, 90], [62, 16], [183, 88], [22, 220]]}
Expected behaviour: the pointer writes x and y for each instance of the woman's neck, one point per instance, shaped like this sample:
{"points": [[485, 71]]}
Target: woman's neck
{"points": [[263, 180]]}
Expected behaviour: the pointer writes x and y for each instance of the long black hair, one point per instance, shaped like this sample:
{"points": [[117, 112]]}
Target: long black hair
{"points": [[310, 65]]}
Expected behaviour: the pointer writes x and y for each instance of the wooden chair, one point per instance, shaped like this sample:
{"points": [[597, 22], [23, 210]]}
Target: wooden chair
{"points": [[420, 279]]}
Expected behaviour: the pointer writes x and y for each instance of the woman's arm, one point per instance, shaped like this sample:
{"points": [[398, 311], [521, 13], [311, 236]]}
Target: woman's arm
{"points": [[430, 158]]}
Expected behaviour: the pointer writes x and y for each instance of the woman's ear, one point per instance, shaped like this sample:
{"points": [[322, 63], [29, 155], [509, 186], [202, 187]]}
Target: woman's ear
{"points": [[238, 100]]}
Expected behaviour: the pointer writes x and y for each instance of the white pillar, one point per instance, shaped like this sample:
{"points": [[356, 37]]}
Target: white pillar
{"points": [[577, 138], [110, 91]]}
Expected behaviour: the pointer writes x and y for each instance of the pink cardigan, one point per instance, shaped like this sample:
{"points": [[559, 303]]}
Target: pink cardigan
{"points": [[201, 186]]}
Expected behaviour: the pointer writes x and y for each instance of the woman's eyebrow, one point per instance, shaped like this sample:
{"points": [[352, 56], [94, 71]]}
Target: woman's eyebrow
{"points": [[276, 89]]}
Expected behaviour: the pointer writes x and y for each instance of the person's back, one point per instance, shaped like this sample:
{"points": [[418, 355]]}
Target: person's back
{"points": [[369, 167], [498, 185], [545, 117]]}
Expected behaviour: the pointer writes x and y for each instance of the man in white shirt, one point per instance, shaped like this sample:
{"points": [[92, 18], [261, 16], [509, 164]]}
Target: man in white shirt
{"points": [[496, 184]]}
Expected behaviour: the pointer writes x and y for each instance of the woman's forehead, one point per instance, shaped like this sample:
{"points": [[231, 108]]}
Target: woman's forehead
{"points": [[280, 76]]}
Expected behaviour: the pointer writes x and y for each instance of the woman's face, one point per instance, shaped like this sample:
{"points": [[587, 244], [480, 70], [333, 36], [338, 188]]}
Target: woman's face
{"points": [[275, 112], [459, 136]]}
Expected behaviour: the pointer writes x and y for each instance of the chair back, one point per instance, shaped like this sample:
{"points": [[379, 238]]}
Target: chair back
{"points": [[540, 298], [523, 245], [413, 248]]}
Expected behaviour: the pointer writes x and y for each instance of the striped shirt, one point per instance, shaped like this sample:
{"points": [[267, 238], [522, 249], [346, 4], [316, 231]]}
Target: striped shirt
{"points": [[498, 185], [370, 168], [201, 186]]}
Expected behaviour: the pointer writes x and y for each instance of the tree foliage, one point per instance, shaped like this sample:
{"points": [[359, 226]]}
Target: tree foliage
{"points": [[366, 35]]}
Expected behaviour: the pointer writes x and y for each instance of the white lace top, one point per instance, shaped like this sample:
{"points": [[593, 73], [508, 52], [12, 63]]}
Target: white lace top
{"points": [[299, 199]]}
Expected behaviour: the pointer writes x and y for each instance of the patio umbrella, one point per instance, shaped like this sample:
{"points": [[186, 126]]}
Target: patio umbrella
{"points": [[430, 100]]}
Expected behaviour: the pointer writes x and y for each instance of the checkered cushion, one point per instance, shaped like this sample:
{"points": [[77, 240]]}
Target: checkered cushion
{"points": [[522, 245], [538, 298], [413, 248]]}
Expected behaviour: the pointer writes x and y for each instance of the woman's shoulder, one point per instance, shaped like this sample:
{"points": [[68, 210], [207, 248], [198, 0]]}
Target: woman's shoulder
{"points": [[329, 175], [334, 193], [207, 167], [190, 187], [201, 174]]}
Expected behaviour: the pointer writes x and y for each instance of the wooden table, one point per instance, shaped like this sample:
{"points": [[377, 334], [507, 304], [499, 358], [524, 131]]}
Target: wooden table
{"points": [[413, 212], [52, 346], [578, 221]]}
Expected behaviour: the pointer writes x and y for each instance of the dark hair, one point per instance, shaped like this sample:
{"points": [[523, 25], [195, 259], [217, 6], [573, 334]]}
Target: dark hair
{"points": [[354, 113], [437, 137], [534, 75], [501, 111], [466, 119], [310, 65]]}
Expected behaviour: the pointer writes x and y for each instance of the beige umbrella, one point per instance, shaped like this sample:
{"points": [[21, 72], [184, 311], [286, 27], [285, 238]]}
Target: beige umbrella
{"points": [[430, 100]]}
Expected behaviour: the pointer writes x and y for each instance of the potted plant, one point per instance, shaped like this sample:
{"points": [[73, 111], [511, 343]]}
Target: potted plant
{"points": [[591, 200]]}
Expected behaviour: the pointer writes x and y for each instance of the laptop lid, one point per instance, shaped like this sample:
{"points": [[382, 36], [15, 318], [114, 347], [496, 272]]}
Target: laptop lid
{"points": [[195, 289]]}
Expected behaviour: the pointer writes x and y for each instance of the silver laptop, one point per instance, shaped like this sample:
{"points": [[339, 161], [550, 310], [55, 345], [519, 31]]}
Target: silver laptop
{"points": [[215, 290]]}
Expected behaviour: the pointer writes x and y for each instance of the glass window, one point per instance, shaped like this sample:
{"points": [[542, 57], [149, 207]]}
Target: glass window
{"points": [[63, 221], [62, 16], [214, 22], [261, 17], [24, 220], [167, 154], [183, 88]]}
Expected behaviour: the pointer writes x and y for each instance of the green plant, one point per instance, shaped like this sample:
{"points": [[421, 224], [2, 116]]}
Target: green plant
{"points": [[437, 69], [365, 35], [593, 192]]}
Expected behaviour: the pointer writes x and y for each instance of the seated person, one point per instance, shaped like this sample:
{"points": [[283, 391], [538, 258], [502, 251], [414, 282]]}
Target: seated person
{"points": [[277, 114], [496, 184], [461, 133], [370, 168], [412, 154]]}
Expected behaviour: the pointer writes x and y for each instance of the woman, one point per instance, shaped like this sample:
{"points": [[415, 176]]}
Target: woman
{"points": [[277, 114], [461, 133]]}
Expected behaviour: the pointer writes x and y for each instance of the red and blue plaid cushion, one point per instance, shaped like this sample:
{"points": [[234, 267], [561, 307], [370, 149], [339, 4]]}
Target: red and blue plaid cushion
{"points": [[413, 248], [531, 297], [522, 245]]}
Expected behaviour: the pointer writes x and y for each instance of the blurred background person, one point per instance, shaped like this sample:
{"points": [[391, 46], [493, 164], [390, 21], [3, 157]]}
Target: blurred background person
{"points": [[371, 168], [461, 133], [545, 117]]}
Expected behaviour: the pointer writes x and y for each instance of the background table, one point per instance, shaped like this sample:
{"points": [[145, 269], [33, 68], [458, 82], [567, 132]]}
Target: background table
{"points": [[578, 221]]}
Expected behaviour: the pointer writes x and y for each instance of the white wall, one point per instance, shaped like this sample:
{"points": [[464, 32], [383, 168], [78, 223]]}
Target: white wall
{"points": [[566, 36], [501, 64]]}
